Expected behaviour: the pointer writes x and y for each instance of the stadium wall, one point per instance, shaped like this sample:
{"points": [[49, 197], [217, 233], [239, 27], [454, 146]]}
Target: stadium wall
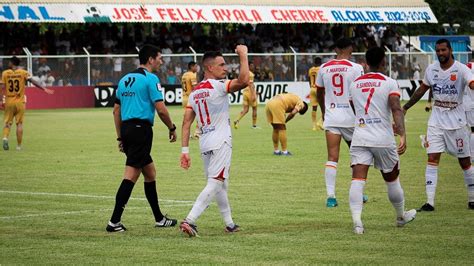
{"points": [[105, 95], [63, 97]]}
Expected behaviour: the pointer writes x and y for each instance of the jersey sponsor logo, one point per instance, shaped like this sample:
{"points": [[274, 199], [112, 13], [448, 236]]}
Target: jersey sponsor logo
{"points": [[448, 89], [128, 94]]}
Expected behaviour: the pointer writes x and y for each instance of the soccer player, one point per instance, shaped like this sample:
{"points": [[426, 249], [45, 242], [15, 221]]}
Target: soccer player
{"points": [[468, 102], [14, 82], [138, 96], [210, 104], [188, 81], [275, 111], [333, 81], [447, 131], [313, 74], [376, 97], [250, 99]]}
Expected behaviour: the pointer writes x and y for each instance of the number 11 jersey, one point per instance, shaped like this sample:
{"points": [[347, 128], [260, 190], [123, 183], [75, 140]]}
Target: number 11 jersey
{"points": [[335, 77], [210, 101]]}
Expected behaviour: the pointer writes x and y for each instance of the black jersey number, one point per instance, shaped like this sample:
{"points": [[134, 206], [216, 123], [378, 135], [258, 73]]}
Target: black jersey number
{"points": [[13, 85]]}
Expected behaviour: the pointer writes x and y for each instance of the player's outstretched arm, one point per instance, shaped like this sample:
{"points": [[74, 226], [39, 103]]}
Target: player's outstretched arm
{"points": [[244, 75], [399, 120], [416, 97], [34, 82], [188, 119], [166, 119]]}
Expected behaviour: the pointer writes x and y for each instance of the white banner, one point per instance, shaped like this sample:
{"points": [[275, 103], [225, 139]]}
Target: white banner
{"points": [[81, 13]]}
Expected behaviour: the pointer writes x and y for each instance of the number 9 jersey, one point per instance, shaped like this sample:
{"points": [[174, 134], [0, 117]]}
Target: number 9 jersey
{"points": [[210, 102], [15, 83], [370, 94], [335, 77]]}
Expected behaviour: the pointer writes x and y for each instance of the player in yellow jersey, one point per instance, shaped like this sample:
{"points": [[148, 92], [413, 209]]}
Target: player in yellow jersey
{"points": [[312, 74], [250, 99], [13, 88], [188, 81], [275, 111]]}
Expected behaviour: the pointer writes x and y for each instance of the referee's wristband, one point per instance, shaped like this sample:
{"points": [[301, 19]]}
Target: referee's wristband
{"points": [[184, 149], [173, 128]]}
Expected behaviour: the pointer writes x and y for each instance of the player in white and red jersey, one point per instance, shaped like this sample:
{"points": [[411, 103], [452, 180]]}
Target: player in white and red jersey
{"points": [[447, 130], [468, 102], [333, 81], [209, 104], [376, 100]]}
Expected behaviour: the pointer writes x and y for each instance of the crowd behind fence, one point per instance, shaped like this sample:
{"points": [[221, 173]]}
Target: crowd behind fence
{"points": [[106, 69]]}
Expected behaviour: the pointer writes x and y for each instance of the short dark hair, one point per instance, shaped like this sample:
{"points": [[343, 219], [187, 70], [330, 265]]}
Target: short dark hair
{"points": [[191, 64], [446, 41], [343, 43], [210, 55], [15, 61], [304, 109], [146, 52], [374, 56], [318, 61]]}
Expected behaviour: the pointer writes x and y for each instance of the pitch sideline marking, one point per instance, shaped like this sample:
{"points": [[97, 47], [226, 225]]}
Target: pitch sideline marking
{"points": [[84, 196]]}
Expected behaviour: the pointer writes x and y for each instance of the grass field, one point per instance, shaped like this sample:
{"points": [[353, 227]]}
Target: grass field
{"points": [[57, 195]]}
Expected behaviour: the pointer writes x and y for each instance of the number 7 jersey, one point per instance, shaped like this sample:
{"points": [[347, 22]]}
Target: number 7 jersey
{"points": [[370, 93], [210, 102], [335, 77]]}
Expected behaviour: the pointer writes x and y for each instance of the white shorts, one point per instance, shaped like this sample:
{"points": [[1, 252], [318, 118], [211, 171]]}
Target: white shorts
{"points": [[217, 162], [454, 142], [383, 158], [470, 118], [345, 132]]}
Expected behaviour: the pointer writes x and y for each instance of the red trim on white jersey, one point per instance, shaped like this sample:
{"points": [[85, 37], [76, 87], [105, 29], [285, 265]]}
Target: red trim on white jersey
{"points": [[203, 85], [228, 86], [336, 62], [371, 76]]}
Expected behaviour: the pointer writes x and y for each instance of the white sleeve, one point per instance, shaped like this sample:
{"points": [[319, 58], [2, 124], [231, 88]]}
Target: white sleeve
{"points": [[394, 88], [425, 78], [467, 75]]}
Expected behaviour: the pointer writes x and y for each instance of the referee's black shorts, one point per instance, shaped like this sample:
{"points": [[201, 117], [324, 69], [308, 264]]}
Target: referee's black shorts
{"points": [[137, 138]]}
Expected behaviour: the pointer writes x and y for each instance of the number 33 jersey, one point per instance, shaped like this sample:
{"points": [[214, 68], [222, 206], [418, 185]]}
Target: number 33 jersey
{"points": [[15, 82], [373, 115], [210, 102], [335, 77]]}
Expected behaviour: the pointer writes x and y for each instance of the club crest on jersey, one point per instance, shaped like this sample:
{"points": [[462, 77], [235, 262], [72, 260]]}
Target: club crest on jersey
{"points": [[361, 122], [453, 77]]}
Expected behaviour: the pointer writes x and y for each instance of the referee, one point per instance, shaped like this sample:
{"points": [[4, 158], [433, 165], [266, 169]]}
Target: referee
{"points": [[138, 96]]}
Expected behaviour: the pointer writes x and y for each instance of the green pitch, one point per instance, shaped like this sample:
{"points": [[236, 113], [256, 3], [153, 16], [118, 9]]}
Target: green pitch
{"points": [[57, 194]]}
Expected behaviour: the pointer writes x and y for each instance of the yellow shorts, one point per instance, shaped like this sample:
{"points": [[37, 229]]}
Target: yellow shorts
{"points": [[275, 112], [312, 97], [247, 100], [185, 101], [15, 110]]}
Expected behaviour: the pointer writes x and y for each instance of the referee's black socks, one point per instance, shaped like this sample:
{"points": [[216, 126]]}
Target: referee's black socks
{"points": [[152, 197], [121, 199]]}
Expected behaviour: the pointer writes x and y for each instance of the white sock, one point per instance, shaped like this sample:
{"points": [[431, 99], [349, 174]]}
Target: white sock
{"points": [[396, 197], [355, 201], [471, 146], [224, 206], [204, 199], [330, 175], [469, 181], [431, 176]]}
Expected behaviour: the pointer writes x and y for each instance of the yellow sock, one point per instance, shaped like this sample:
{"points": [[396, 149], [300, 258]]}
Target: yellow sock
{"points": [[283, 140], [275, 139], [6, 132], [314, 117], [254, 121]]}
